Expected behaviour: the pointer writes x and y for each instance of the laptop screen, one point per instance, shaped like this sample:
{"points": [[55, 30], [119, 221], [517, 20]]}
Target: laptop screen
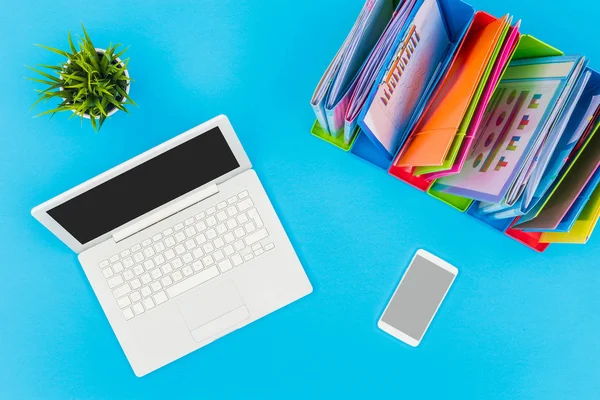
{"points": [[146, 186]]}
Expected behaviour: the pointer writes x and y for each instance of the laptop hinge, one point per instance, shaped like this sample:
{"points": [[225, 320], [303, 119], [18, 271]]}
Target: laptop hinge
{"points": [[165, 212]]}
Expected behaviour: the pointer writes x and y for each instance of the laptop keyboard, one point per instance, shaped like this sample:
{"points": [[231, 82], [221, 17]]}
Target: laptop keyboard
{"points": [[186, 255]]}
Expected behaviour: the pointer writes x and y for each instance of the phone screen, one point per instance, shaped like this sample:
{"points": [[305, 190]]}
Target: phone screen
{"points": [[418, 297]]}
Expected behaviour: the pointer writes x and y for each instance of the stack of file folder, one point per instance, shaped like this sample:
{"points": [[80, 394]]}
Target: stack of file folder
{"points": [[462, 105]]}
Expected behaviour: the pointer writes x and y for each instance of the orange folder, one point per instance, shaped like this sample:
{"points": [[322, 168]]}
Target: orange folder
{"points": [[433, 136]]}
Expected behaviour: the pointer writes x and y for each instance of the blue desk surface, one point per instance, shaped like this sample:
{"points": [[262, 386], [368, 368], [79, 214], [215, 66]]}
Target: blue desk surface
{"points": [[516, 324]]}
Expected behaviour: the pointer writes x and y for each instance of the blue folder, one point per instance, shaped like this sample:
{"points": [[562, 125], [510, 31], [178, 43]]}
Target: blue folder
{"points": [[457, 17]]}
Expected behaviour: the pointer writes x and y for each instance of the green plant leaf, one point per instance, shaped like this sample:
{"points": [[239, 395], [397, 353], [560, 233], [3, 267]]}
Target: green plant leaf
{"points": [[52, 49], [94, 124], [121, 52], [104, 64], [54, 67], [117, 104], [52, 78], [76, 86], [95, 61], [124, 94], [73, 48], [61, 93], [39, 99], [53, 111], [102, 119], [74, 77], [85, 34], [100, 108], [41, 81]]}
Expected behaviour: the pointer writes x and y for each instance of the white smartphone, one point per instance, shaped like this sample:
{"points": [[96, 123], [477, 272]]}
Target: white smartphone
{"points": [[417, 298]]}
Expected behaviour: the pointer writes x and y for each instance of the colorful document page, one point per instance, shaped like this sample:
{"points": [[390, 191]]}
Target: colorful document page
{"points": [[527, 94], [338, 77], [519, 199], [583, 227], [417, 57], [431, 140], [536, 153], [550, 145], [481, 103], [568, 191], [368, 74]]}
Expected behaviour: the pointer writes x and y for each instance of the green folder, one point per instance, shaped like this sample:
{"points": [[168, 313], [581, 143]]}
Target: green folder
{"points": [[458, 202], [338, 142]]}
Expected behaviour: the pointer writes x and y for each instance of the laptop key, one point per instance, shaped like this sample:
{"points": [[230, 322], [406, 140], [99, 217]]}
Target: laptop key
{"points": [[146, 279], [193, 281], [146, 291], [115, 281], [211, 221], [128, 262], [177, 276], [245, 204], [138, 257], [237, 259], [160, 297], [122, 291], [123, 301], [128, 313], [138, 308], [117, 267], [136, 284], [253, 214], [135, 297], [225, 265], [256, 236], [166, 281], [229, 250], [128, 275], [148, 303]]}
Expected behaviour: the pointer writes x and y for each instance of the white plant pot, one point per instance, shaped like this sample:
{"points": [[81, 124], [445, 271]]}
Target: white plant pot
{"points": [[114, 110]]}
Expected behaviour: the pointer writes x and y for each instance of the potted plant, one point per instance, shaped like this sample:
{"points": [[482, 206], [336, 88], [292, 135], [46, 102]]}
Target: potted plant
{"points": [[91, 83]]}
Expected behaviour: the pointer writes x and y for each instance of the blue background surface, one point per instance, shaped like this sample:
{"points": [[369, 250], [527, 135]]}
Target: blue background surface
{"points": [[516, 324]]}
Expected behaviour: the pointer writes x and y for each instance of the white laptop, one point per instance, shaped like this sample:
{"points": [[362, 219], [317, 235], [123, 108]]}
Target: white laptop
{"points": [[180, 244]]}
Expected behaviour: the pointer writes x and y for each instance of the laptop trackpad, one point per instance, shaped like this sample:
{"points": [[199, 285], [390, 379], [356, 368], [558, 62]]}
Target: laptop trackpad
{"points": [[213, 309]]}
